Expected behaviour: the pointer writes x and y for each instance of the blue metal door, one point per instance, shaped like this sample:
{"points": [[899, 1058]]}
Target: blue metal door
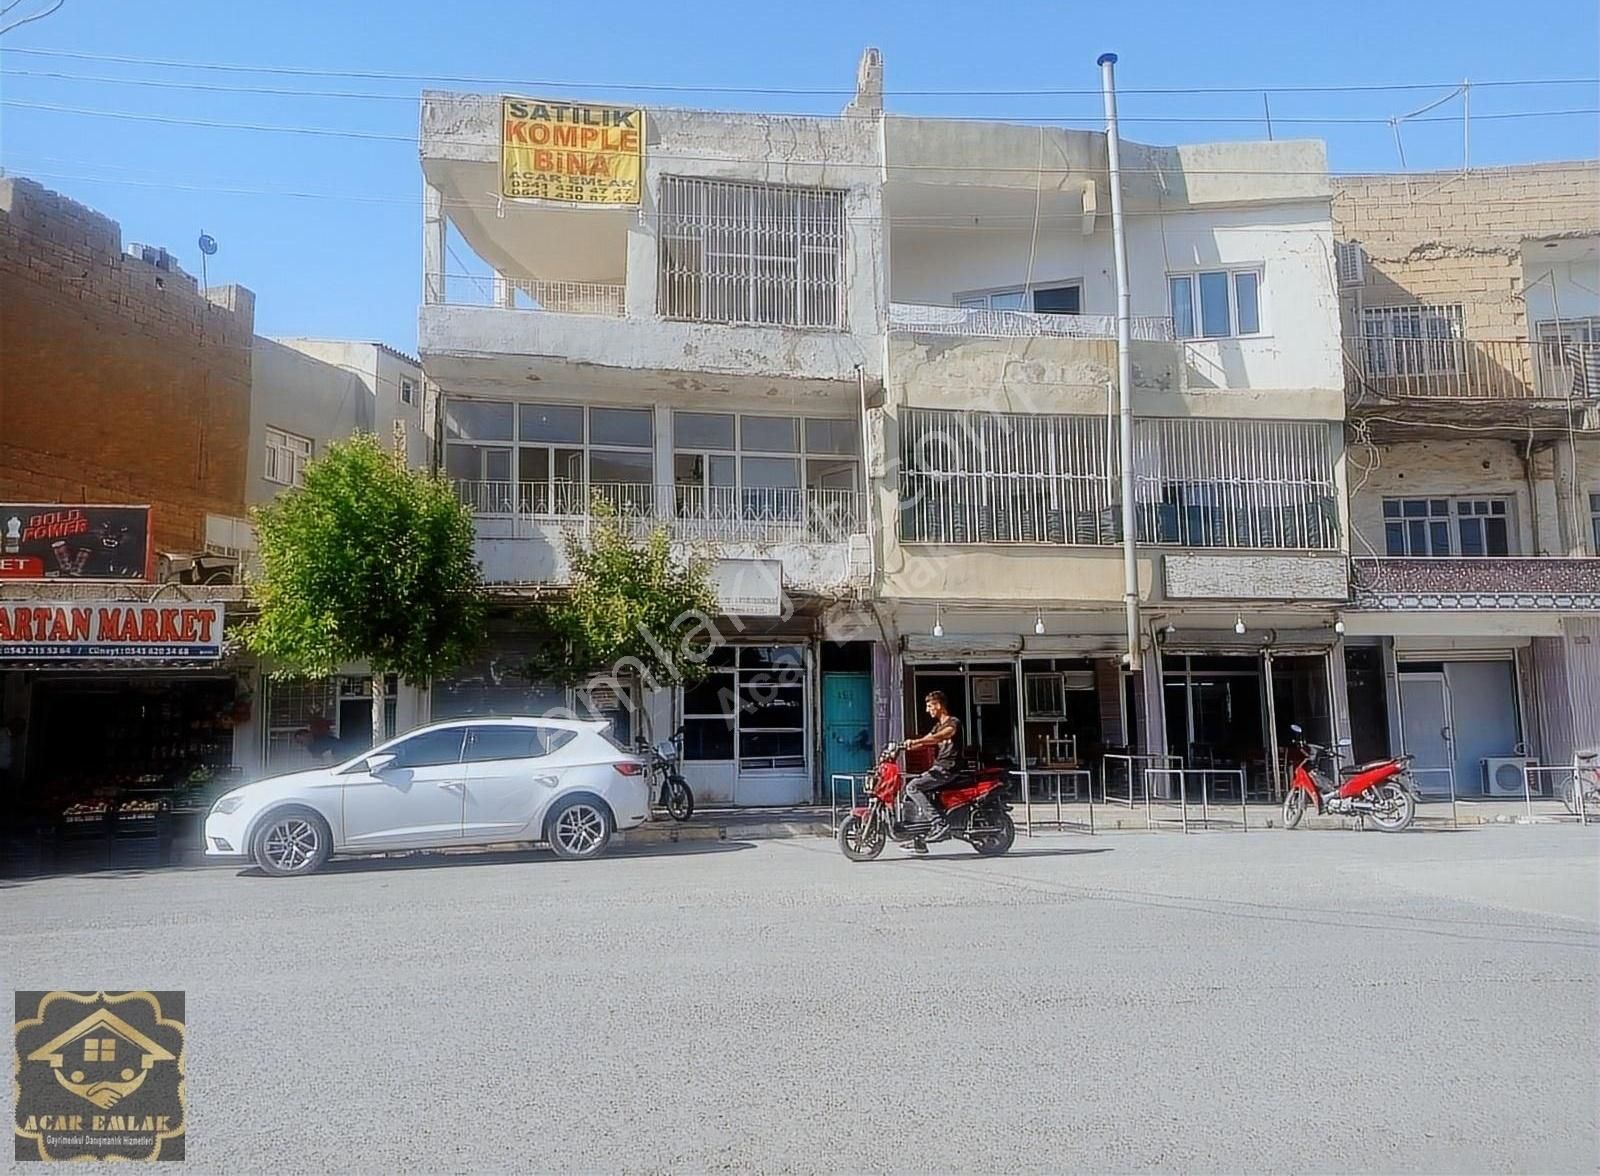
{"points": [[846, 728]]}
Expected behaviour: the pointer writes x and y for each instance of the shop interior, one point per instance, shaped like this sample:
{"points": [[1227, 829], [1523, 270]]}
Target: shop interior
{"points": [[1222, 711]]}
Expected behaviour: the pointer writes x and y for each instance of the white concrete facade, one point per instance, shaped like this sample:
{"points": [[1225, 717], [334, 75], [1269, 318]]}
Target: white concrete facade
{"points": [[569, 305]]}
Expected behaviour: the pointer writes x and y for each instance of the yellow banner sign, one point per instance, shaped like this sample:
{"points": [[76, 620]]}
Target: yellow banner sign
{"points": [[572, 152]]}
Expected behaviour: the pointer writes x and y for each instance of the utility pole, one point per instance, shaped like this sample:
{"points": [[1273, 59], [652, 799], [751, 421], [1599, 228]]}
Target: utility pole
{"points": [[1130, 559]]}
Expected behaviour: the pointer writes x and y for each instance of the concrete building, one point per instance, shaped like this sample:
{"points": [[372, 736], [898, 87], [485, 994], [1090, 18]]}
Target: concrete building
{"points": [[1471, 316], [867, 360], [306, 393]]}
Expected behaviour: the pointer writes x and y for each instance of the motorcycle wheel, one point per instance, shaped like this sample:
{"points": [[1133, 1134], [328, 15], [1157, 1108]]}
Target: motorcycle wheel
{"points": [[860, 841], [1294, 807], [680, 801], [1393, 808], [996, 843]]}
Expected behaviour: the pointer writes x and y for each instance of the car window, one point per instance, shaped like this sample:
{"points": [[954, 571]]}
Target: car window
{"points": [[428, 749], [502, 743]]}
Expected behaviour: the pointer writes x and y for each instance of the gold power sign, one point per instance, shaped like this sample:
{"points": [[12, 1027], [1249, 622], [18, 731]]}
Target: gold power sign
{"points": [[571, 152]]}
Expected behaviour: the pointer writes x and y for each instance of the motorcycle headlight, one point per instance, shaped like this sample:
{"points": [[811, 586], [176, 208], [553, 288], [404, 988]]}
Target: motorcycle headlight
{"points": [[227, 804]]}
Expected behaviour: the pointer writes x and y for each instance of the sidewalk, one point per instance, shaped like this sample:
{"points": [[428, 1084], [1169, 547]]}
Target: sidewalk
{"points": [[758, 824]]}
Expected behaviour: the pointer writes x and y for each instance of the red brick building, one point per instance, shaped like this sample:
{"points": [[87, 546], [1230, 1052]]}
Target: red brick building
{"points": [[120, 380]]}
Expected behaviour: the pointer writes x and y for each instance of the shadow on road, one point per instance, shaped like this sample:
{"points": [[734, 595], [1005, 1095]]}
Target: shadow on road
{"points": [[442, 860], [412, 860]]}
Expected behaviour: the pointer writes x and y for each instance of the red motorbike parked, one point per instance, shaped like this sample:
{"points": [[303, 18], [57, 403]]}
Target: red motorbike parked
{"points": [[972, 802], [1381, 789]]}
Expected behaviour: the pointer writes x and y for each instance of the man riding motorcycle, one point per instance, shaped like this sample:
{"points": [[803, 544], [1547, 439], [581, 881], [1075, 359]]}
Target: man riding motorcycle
{"points": [[946, 739]]}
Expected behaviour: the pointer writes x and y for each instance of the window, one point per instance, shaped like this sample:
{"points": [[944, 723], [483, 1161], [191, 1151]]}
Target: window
{"points": [[99, 1049], [735, 252], [1412, 340], [429, 749], [763, 467], [558, 456], [750, 708], [514, 742], [1442, 527], [1215, 304], [1594, 518], [408, 390], [972, 477], [287, 455], [1063, 299]]}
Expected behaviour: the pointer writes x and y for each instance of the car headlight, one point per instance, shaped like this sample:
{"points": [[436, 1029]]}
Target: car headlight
{"points": [[227, 804]]}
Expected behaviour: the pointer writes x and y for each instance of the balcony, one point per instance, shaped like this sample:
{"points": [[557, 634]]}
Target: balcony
{"points": [[1514, 584], [819, 535], [972, 323], [1453, 370]]}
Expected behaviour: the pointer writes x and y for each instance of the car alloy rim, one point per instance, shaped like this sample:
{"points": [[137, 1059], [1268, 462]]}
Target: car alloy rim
{"points": [[580, 828], [291, 844]]}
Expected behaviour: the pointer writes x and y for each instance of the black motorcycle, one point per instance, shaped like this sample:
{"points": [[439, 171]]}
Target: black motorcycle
{"points": [[671, 789]]}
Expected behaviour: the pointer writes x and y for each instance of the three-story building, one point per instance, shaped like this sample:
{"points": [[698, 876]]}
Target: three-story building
{"points": [[1471, 313], [868, 364]]}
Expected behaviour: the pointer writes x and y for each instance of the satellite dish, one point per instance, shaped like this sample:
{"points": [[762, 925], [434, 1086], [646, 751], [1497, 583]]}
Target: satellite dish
{"points": [[208, 244]]}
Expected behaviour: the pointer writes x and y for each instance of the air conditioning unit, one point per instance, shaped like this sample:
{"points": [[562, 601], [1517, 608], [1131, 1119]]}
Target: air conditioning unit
{"points": [[1351, 262], [1505, 776]]}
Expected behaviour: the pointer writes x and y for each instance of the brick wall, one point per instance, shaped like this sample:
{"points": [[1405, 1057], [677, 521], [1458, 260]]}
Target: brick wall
{"points": [[1453, 237], [114, 388]]}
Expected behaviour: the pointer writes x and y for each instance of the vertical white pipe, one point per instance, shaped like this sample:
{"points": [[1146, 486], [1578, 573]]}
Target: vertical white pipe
{"points": [[1130, 561]]}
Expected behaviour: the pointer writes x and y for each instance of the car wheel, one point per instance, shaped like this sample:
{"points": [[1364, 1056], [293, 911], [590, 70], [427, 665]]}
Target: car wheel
{"points": [[291, 843], [578, 828]]}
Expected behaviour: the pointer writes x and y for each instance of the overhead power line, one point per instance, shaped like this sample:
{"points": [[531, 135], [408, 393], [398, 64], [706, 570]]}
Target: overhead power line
{"points": [[837, 164], [1091, 118], [687, 88]]}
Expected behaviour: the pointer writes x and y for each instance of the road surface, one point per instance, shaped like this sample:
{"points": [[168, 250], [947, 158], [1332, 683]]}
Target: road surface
{"points": [[1260, 1002]]}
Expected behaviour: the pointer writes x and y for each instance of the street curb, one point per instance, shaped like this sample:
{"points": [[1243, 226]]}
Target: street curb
{"points": [[766, 831]]}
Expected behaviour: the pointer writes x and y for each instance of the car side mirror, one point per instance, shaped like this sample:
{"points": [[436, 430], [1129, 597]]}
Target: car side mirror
{"points": [[378, 764]]}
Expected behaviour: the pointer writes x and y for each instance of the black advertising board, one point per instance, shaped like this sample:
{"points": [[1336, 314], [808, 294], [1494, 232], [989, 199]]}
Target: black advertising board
{"points": [[72, 541]]}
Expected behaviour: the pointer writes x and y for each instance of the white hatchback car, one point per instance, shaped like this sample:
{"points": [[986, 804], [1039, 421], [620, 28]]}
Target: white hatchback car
{"points": [[467, 782]]}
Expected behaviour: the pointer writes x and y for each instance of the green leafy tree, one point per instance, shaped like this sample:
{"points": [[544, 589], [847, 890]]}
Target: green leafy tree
{"points": [[634, 609], [368, 561]]}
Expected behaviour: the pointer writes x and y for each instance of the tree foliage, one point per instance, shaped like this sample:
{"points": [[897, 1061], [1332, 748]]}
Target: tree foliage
{"points": [[368, 561], [633, 605]]}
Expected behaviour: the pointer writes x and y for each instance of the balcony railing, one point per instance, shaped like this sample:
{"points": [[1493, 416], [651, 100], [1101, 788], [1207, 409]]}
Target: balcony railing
{"points": [[1517, 583], [1472, 369], [690, 513], [1017, 324], [608, 299]]}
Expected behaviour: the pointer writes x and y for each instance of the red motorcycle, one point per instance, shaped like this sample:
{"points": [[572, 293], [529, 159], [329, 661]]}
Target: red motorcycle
{"points": [[1381, 789], [972, 802]]}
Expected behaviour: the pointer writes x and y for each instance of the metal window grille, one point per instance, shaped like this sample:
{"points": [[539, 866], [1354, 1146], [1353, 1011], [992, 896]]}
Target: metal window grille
{"points": [[970, 477], [1413, 340], [733, 252]]}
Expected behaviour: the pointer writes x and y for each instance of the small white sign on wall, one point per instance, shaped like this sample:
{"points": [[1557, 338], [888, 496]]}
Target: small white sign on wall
{"points": [[748, 587]]}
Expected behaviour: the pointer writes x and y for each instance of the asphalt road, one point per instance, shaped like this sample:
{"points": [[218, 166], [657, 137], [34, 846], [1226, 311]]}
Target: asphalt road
{"points": [[1261, 1002]]}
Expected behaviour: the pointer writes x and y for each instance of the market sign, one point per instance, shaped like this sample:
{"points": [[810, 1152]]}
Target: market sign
{"points": [[59, 541], [113, 629], [576, 153]]}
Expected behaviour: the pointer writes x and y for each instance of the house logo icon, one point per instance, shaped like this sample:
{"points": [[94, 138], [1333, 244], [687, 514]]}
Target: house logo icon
{"points": [[85, 1057], [100, 1075]]}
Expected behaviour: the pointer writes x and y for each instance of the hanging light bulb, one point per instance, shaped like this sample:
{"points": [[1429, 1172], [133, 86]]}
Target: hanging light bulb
{"points": [[1038, 622], [1338, 627], [1238, 624], [938, 628]]}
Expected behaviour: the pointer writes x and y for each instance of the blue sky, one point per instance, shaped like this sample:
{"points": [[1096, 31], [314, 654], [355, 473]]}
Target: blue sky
{"points": [[346, 262]]}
